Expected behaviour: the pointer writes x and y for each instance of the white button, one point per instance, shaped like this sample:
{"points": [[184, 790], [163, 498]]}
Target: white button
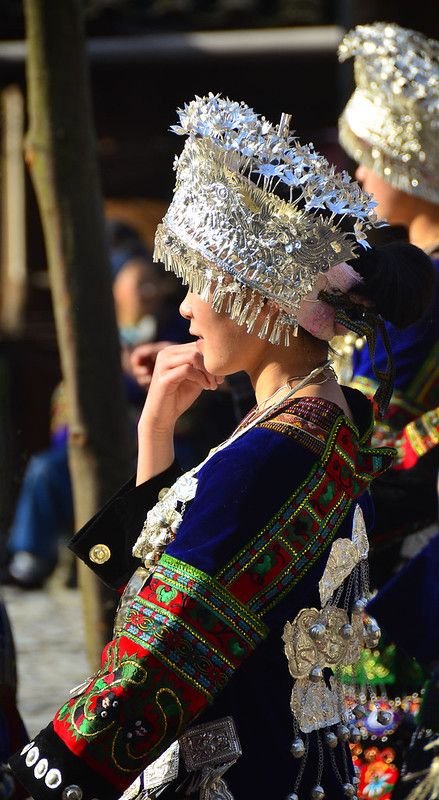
{"points": [[41, 768], [32, 756], [53, 779]]}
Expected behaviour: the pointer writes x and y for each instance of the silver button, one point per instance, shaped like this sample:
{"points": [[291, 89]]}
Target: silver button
{"points": [[72, 792], [99, 553]]}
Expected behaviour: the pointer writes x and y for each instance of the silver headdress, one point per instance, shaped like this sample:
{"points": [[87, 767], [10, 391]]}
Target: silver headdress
{"points": [[391, 122], [231, 238]]}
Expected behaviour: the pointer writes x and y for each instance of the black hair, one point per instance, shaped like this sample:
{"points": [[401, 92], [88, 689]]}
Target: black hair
{"points": [[398, 279]]}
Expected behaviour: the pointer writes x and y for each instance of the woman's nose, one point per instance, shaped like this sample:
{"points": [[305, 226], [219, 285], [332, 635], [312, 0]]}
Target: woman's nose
{"points": [[185, 306]]}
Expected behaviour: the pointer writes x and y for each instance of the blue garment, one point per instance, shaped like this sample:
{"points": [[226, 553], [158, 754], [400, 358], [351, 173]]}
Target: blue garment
{"points": [[202, 639], [407, 606], [410, 347], [44, 510]]}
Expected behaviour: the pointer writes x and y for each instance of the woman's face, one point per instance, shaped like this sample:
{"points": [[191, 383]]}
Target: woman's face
{"points": [[136, 292], [394, 205], [226, 347]]}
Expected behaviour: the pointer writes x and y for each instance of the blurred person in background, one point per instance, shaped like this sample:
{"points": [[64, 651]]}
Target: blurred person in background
{"points": [[44, 511], [390, 127]]}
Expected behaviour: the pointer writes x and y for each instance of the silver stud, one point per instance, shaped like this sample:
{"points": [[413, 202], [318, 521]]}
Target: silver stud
{"points": [[41, 768], [53, 779], [26, 748], [32, 756], [72, 792]]}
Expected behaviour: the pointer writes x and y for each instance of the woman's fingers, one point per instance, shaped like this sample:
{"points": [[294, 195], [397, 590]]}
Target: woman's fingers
{"points": [[171, 358], [177, 375]]}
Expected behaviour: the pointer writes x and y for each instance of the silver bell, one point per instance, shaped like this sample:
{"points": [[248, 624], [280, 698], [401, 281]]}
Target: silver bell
{"points": [[342, 733], [348, 790], [331, 739], [317, 631], [292, 796], [315, 674], [346, 631], [359, 605], [354, 734], [359, 711], [317, 792], [297, 748], [384, 717]]}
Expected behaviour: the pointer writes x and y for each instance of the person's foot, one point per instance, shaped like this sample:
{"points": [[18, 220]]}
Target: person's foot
{"points": [[28, 570]]}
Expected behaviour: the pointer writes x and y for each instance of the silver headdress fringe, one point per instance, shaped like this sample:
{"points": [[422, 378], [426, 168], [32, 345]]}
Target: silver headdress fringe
{"points": [[235, 242], [391, 122]]}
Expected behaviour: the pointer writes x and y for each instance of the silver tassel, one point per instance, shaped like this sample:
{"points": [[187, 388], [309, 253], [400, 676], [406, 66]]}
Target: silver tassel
{"points": [[429, 788], [213, 785]]}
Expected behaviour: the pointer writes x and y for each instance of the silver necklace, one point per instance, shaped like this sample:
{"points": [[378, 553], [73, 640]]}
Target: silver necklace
{"points": [[163, 520]]}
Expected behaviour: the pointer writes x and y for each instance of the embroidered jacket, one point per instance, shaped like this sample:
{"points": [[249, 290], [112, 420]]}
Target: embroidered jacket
{"points": [[416, 355], [202, 640]]}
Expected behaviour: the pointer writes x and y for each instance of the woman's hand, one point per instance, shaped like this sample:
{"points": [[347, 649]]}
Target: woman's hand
{"points": [[178, 379], [143, 359]]}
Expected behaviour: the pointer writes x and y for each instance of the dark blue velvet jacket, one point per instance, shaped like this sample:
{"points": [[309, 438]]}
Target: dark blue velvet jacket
{"points": [[206, 629]]}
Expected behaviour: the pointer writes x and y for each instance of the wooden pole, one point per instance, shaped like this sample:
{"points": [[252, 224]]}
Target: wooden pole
{"points": [[61, 154]]}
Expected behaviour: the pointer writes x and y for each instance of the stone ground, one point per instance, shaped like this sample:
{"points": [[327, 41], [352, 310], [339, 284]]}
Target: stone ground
{"points": [[49, 640]]}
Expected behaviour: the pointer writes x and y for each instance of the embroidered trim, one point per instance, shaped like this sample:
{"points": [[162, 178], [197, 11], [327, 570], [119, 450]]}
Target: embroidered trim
{"points": [[133, 708], [268, 567], [423, 433]]}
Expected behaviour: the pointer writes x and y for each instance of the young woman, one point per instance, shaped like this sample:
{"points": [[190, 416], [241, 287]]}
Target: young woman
{"points": [[265, 540], [389, 126]]}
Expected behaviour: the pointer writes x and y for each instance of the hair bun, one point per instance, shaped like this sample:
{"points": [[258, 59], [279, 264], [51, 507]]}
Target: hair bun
{"points": [[399, 280]]}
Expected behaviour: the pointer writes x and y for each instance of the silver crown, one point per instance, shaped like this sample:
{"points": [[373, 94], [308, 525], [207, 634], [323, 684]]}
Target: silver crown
{"points": [[391, 122], [231, 238]]}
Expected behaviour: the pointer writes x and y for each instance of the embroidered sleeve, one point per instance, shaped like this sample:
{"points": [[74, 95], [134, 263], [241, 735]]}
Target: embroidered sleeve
{"points": [[265, 511], [183, 638]]}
